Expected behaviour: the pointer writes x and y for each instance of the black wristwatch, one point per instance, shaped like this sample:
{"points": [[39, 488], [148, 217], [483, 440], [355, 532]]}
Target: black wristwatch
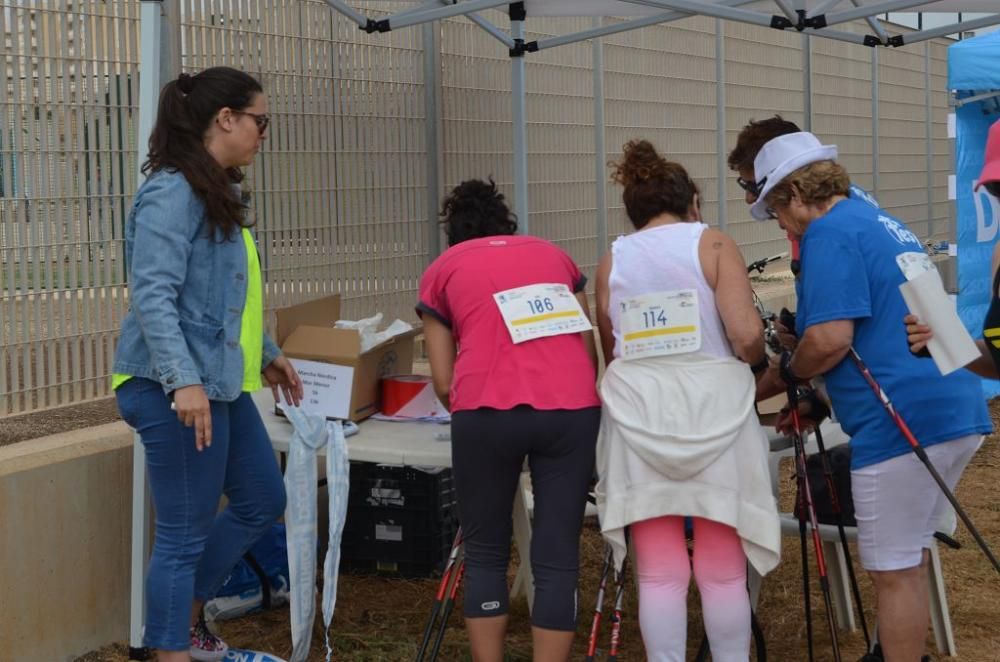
{"points": [[785, 369]]}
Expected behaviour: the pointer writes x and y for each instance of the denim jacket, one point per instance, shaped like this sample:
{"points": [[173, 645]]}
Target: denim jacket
{"points": [[186, 294]]}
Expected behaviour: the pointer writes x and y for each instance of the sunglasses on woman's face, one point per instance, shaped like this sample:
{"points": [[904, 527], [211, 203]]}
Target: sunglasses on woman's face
{"points": [[260, 119]]}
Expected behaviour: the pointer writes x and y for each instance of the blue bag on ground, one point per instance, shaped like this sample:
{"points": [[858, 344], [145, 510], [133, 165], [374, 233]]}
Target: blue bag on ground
{"points": [[243, 591]]}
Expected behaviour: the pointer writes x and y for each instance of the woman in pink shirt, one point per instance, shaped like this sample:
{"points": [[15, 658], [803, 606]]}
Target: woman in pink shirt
{"points": [[512, 354]]}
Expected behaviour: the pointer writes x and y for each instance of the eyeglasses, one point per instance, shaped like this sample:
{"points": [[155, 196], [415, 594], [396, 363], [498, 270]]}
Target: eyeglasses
{"points": [[260, 119], [748, 185]]}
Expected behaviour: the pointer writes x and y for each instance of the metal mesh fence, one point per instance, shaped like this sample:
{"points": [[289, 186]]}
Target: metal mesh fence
{"points": [[341, 193], [68, 107]]}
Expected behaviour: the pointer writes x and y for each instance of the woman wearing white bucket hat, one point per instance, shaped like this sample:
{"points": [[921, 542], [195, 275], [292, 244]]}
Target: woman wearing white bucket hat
{"points": [[853, 257]]}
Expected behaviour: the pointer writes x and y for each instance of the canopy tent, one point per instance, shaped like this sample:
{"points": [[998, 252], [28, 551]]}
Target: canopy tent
{"points": [[160, 62], [974, 78], [810, 17]]}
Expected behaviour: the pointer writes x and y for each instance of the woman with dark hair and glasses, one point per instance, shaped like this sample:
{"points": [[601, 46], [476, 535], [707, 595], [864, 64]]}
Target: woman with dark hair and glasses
{"points": [[512, 355], [988, 363], [191, 350]]}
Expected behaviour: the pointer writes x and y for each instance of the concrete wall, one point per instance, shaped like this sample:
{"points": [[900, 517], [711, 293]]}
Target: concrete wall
{"points": [[65, 531]]}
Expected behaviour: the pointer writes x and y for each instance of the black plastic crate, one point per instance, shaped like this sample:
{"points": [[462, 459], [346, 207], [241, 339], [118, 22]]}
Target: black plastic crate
{"points": [[400, 520]]}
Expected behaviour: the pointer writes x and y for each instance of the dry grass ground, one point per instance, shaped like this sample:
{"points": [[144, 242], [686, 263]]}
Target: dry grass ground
{"points": [[382, 618]]}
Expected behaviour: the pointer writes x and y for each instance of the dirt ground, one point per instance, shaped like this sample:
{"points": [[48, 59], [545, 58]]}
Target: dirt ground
{"points": [[53, 421]]}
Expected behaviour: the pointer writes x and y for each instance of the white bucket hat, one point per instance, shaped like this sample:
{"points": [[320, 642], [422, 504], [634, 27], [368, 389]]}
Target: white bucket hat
{"points": [[781, 157]]}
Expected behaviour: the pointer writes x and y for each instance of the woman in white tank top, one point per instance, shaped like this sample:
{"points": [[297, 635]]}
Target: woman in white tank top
{"points": [[679, 433]]}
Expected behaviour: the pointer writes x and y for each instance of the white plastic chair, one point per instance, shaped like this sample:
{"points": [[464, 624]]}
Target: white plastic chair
{"points": [[840, 588]]}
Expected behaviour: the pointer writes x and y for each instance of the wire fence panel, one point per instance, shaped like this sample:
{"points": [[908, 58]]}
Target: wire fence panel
{"points": [[842, 104], [339, 191], [763, 78], [68, 106]]}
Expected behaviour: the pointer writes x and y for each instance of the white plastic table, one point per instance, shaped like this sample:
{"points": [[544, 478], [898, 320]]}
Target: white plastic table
{"points": [[382, 442]]}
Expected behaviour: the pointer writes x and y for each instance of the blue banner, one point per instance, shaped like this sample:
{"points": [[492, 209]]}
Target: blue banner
{"points": [[978, 221]]}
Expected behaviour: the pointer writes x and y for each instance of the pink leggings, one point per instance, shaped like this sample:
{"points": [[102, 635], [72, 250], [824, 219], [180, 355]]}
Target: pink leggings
{"points": [[720, 569]]}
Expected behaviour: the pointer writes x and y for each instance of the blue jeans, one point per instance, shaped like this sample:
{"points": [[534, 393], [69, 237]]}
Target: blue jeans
{"points": [[196, 546]]}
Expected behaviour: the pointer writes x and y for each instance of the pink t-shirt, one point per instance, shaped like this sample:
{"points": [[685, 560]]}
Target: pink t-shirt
{"points": [[490, 370]]}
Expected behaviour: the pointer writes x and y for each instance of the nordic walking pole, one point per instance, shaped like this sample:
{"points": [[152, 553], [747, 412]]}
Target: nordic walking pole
{"points": [[595, 628], [839, 512], [616, 620], [441, 592], [922, 455], [448, 605], [800, 468]]}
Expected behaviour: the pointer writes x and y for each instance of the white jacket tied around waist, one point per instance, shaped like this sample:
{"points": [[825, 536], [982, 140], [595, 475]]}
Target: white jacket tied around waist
{"points": [[680, 436]]}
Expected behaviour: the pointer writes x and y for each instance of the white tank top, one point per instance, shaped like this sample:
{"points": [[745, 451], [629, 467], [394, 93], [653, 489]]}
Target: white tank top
{"points": [[659, 259]]}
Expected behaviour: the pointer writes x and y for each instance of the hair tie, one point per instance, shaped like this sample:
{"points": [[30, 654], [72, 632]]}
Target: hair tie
{"points": [[185, 83]]}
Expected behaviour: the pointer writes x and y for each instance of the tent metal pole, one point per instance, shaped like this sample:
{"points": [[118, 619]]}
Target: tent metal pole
{"points": [[864, 11], [432, 136], [600, 146], [487, 27], [720, 120], [787, 10], [741, 15], [821, 9], [695, 8], [875, 124], [626, 26], [491, 30], [944, 30], [929, 136], [348, 11], [973, 99], [436, 14], [807, 86], [874, 24], [433, 4], [160, 60], [520, 131]]}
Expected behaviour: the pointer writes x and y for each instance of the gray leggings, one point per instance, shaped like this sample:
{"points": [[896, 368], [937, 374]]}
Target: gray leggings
{"points": [[488, 451]]}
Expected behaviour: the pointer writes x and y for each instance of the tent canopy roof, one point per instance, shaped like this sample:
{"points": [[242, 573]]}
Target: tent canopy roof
{"points": [[972, 64], [619, 8], [819, 17]]}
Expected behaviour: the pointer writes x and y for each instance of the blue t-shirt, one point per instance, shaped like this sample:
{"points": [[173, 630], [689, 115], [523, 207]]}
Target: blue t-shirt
{"points": [[857, 193], [849, 272]]}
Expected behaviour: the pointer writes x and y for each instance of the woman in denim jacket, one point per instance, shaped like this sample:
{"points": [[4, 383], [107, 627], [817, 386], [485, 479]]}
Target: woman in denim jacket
{"points": [[192, 348]]}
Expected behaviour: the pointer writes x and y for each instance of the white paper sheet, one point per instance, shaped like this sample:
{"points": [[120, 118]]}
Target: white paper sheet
{"points": [[951, 347]]}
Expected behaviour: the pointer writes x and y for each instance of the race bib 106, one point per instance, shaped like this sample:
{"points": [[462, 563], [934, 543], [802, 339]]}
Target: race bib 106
{"points": [[540, 311], [660, 323]]}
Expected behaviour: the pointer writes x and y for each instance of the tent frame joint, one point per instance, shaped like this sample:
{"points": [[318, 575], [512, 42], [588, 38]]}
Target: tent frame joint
{"points": [[521, 47], [373, 26], [518, 12], [872, 41], [814, 22], [804, 21], [896, 41]]}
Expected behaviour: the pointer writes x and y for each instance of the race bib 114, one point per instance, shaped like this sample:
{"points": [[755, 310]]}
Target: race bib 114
{"points": [[659, 324]]}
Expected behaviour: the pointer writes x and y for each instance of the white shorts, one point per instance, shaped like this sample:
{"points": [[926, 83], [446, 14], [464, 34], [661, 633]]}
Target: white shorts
{"points": [[899, 506]]}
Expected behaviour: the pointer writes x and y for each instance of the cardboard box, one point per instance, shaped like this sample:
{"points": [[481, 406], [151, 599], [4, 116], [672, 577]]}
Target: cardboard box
{"points": [[340, 380]]}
